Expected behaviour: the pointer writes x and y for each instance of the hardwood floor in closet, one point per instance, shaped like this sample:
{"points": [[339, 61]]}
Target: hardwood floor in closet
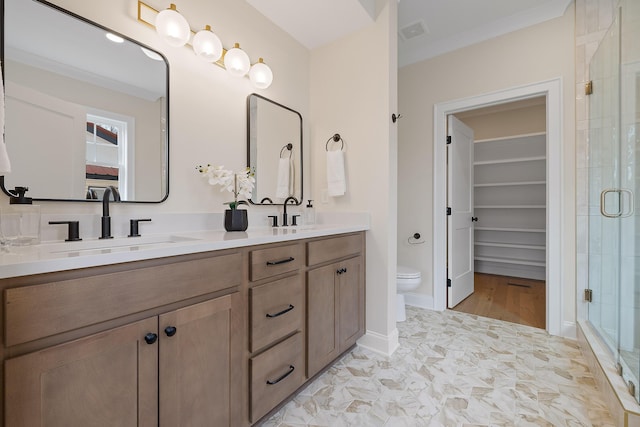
{"points": [[512, 299]]}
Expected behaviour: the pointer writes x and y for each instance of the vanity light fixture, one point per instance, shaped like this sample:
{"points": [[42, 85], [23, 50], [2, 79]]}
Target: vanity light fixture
{"points": [[236, 61], [174, 28], [207, 45], [261, 75]]}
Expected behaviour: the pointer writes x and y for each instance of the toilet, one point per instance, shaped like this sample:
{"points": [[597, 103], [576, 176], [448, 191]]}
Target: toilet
{"points": [[407, 279]]}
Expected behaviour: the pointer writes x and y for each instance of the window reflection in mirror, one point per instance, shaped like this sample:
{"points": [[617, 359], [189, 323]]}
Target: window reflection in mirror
{"points": [[67, 87]]}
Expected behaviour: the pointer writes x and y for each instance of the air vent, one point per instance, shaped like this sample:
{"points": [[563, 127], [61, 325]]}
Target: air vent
{"points": [[413, 30]]}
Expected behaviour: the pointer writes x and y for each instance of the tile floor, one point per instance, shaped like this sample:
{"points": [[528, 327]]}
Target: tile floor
{"points": [[454, 369]]}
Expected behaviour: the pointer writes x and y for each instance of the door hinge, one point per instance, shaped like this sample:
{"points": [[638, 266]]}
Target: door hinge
{"points": [[448, 283], [588, 88], [448, 140], [448, 211], [588, 295]]}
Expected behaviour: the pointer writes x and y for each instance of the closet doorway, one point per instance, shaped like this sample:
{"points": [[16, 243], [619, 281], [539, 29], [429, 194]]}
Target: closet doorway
{"points": [[507, 190]]}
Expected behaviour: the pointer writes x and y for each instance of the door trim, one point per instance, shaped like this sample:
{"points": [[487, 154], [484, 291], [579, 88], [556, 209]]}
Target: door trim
{"points": [[552, 90]]}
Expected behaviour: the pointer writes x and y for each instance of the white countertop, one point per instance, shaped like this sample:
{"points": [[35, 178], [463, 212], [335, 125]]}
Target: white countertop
{"points": [[58, 256]]}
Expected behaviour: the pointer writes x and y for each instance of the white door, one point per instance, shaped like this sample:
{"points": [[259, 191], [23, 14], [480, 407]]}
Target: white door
{"points": [[459, 223]]}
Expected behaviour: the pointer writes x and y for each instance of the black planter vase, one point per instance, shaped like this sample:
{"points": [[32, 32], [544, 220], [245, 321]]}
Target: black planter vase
{"points": [[235, 220]]}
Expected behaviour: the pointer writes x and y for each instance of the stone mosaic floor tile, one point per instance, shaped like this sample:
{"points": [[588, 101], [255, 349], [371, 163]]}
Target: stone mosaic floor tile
{"points": [[454, 369]]}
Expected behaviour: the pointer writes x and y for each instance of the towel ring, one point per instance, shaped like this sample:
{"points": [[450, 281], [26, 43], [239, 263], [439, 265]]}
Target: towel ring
{"points": [[335, 138], [288, 147]]}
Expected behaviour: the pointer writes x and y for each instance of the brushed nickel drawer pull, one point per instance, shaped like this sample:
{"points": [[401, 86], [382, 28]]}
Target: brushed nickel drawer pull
{"points": [[286, 310], [289, 372], [282, 261]]}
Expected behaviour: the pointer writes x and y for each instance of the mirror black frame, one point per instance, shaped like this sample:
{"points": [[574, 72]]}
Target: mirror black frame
{"points": [[90, 22], [263, 202]]}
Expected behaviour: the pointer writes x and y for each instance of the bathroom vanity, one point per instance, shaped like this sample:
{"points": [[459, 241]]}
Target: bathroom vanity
{"points": [[204, 332]]}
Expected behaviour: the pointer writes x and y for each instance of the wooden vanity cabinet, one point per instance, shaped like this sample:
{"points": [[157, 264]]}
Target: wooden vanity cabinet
{"points": [[105, 379], [335, 298], [179, 364], [211, 339], [276, 310]]}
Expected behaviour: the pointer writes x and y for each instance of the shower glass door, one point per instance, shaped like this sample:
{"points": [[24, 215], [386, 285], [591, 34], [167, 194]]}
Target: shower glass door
{"points": [[614, 220]]}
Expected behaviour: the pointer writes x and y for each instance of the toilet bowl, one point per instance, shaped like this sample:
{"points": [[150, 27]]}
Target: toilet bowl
{"points": [[407, 279]]}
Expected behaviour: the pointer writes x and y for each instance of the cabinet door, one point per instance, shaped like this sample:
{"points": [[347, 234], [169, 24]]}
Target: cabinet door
{"points": [[106, 379], [198, 362], [322, 327], [350, 276]]}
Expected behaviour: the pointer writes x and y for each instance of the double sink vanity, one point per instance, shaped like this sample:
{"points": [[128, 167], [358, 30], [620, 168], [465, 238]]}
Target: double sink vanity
{"points": [[189, 328], [210, 328]]}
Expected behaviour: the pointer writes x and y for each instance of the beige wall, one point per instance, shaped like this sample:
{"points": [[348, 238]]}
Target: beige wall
{"points": [[535, 54], [207, 107], [353, 93]]}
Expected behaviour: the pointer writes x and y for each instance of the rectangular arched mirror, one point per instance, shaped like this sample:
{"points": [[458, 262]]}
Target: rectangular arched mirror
{"points": [[274, 134], [86, 108]]}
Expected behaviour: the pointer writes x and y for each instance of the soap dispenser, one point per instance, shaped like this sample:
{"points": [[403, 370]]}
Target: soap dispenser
{"points": [[20, 221], [309, 214]]}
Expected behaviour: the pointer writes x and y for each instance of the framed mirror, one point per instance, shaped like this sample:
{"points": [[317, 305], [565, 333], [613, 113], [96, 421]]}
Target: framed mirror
{"points": [[85, 108], [274, 150]]}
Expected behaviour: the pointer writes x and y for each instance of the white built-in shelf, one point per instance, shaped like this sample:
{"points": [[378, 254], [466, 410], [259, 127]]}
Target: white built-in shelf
{"points": [[514, 160], [510, 184], [511, 261], [510, 245], [510, 207], [523, 230], [504, 138], [510, 189]]}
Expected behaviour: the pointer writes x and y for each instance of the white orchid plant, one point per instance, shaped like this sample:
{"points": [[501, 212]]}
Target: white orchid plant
{"points": [[240, 183]]}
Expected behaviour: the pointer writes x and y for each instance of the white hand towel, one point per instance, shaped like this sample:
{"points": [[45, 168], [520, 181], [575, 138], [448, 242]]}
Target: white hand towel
{"points": [[336, 182], [283, 189], [5, 164]]}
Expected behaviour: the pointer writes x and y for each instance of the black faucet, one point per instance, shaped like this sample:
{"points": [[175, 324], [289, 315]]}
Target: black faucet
{"points": [[284, 215], [106, 219]]}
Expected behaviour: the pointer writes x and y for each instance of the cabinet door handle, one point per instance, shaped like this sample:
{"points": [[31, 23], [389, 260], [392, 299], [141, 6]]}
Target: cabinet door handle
{"points": [[286, 310], [282, 261], [474, 219], [341, 270], [170, 331], [289, 372], [150, 338]]}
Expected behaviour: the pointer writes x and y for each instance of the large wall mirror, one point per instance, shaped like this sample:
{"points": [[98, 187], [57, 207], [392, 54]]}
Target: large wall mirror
{"points": [[274, 134], [85, 108]]}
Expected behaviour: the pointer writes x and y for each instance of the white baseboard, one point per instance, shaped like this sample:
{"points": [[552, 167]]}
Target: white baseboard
{"points": [[419, 300], [381, 344], [569, 330]]}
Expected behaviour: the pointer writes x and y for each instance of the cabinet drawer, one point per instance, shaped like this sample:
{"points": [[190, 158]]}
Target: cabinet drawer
{"points": [[275, 374], [38, 311], [273, 261], [277, 309], [338, 247]]}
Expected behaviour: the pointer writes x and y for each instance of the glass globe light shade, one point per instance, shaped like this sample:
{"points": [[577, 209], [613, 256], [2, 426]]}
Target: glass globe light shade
{"points": [[261, 75], [207, 45], [236, 61], [172, 27]]}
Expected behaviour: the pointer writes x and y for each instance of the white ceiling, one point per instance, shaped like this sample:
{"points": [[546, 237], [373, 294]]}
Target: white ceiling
{"points": [[448, 24]]}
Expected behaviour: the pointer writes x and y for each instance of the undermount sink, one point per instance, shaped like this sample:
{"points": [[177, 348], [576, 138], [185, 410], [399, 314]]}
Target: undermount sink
{"points": [[120, 244]]}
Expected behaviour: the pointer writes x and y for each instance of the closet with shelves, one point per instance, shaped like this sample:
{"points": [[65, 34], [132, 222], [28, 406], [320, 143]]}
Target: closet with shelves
{"points": [[510, 204]]}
